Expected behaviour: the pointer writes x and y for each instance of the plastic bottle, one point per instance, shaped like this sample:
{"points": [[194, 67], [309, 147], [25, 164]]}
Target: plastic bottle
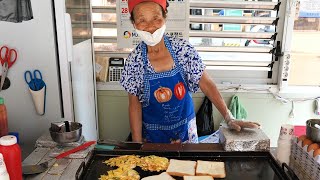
{"points": [[12, 156], [3, 118], [3, 170]]}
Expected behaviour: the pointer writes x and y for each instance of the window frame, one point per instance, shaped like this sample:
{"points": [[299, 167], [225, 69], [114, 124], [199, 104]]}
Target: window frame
{"points": [[284, 68], [219, 75], [280, 68]]}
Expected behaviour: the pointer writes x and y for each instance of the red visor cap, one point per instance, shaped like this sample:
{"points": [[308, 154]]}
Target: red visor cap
{"points": [[133, 3]]}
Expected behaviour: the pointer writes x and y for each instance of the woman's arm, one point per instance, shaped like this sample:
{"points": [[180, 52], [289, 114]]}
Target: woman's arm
{"points": [[208, 87], [135, 117], [211, 91]]}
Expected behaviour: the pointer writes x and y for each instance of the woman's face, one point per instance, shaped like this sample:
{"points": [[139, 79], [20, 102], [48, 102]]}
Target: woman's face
{"points": [[148, 17]]}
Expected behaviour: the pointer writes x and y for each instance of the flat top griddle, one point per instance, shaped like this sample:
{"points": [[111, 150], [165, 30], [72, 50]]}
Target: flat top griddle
{"points": [[239, 165]]}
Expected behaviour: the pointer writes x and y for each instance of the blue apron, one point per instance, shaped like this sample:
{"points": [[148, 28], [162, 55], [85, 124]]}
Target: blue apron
{"points": [[167, 107]]}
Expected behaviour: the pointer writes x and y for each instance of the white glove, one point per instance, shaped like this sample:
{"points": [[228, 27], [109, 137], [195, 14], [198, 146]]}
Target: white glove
{"points": [[239, 124]]}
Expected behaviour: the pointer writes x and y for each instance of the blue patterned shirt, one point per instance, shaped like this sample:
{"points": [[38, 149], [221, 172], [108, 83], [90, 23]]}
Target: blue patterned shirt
{"points": [[188, 57]]}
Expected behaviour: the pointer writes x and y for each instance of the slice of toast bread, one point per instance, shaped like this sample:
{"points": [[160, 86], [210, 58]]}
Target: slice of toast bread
{"points": [[211, 168], [162, 176], [181, 168]]}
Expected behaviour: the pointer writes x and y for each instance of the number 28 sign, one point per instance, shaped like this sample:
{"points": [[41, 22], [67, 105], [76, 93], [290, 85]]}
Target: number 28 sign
{"points": [[124, 7], [177, 25], [124, 10]]}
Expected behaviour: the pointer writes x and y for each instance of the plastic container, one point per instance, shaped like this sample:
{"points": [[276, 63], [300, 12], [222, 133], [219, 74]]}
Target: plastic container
{"points": [[3, 118], [303, 163], [4, 175], [12, 156]]}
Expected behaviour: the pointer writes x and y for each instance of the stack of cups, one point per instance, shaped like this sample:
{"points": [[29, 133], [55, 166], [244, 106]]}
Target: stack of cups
{"points": [[284, 143]]}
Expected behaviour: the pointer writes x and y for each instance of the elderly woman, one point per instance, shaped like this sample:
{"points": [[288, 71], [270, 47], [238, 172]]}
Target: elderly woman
{"points": [[160, 75]]}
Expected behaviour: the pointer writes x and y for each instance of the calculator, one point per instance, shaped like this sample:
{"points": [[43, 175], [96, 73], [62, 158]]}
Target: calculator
{"points": [[116, 65]]}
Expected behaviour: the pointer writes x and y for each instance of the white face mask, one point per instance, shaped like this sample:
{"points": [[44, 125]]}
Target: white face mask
{"points": [[152, 39]]}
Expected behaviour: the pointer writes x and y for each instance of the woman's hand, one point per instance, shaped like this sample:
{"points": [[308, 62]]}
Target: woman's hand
{"points": [[238, 124]]}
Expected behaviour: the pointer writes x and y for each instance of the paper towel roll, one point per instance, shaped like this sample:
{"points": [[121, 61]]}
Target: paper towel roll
{"points": [[83, 89]]}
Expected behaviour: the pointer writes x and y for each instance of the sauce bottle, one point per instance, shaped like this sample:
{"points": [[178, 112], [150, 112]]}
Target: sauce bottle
{"points": [[12, 156], [3, 118]]}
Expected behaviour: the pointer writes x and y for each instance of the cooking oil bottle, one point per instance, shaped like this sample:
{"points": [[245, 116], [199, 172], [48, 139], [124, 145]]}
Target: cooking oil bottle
{"points": [[3, 118]]}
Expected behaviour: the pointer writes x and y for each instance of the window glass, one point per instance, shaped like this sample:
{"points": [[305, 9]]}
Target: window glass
{"points": [[106, 32], [305, 49], [104, 17], [227, 27]]}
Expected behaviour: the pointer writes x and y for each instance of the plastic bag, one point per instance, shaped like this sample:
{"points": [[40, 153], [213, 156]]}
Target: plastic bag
{"points": [[15, 10], [205, 123]]}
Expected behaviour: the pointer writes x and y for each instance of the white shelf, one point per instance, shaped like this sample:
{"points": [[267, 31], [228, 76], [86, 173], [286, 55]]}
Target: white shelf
{"points": [[111, 86]]}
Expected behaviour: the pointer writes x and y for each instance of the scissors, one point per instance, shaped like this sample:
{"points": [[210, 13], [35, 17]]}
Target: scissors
{"points": [[8, 55], [4, 74], [34, 80]]}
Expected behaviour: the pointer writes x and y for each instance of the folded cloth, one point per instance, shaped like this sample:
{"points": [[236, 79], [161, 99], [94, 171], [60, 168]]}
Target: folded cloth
{"points": [[237, 109], [15, 10]]}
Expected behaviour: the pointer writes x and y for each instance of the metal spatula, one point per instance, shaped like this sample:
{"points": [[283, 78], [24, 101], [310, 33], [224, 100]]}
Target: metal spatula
{"points": [[39, 168]]}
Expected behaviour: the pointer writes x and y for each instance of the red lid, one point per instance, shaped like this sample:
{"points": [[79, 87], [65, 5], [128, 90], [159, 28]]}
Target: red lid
{"points": [[133, 3]]}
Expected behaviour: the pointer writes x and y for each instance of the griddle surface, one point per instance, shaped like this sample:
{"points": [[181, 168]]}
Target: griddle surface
{"points": [[239, 165]]}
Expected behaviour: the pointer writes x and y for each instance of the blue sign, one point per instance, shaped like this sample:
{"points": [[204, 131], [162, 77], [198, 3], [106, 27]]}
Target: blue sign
{"points": [[307, 14]]}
